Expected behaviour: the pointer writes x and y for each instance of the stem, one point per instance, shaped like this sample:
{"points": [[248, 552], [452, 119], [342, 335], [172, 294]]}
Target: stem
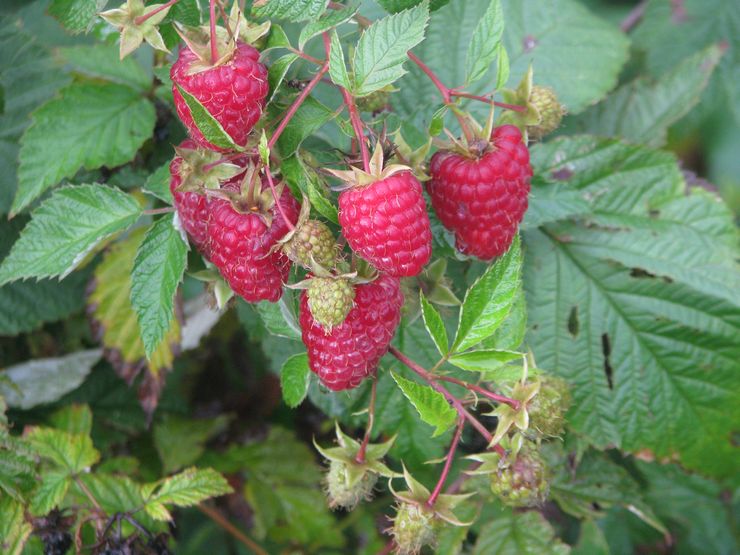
{"points": [[370, 421], [354, 117], [514, 107], [214, 48], [305, 56], [454, 401], [513, 403], [155, 211], [142, 18], [221, 520], [443, 90], [268, 173], [88, 494], [448, 462], [225, 18], [297, 103], [634, 17], [387, 548]]}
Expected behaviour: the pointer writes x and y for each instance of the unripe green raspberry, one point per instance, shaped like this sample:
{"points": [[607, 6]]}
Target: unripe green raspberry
{"points": [[374, 102], [330, 300], [312, 239], [414, 527], [343, 494], [522, 483], [548, 408], [550, 110]]}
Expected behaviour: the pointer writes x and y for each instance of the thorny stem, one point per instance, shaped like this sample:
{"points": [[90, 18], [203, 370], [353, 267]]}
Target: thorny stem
{"points": [[454, 401], [448, 462], [214, 48], [275, 196], [360, 458], [513, 107], [216, 516], [155, 211], [297, 103], [513, 403], [142, 18]]}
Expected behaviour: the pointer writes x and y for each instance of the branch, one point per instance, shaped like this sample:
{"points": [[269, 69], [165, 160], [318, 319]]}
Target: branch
{"points": [[448, 462], [513, 403], [221, 520]]}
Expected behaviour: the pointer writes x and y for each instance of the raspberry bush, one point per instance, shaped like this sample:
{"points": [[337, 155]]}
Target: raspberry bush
{"points": [[410, 276]]}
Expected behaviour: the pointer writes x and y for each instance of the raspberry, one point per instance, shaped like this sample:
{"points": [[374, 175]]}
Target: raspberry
{"points": [[192, 208], [342, 493], [523, 481], [551, 112], [547, 409], [352, 350], [330, 300], [233, 92], [483, 199], [414, 527], [313, 242], [241, 246], [386, 223]]}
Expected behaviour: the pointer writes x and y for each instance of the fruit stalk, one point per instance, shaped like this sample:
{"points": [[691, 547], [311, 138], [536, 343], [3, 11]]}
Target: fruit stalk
{"points": [[448, 462], [214, 48], [513, 403], [297, 103], [216, 516], [370, 421], [276, 198], [513, 107], [142, 18]]}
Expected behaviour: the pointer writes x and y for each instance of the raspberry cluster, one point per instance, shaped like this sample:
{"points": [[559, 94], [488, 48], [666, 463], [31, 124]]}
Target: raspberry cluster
{"points": [[252, 229]]}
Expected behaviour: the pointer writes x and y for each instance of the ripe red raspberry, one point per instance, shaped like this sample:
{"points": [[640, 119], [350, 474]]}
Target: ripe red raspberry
{"points": [[386, 223], [352, 350], [483, 199], [233, 93], [192, 208], [241, 245]]}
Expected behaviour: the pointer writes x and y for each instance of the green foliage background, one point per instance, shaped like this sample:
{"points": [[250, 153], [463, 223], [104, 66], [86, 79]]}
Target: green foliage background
{"points": [[629, 287]]}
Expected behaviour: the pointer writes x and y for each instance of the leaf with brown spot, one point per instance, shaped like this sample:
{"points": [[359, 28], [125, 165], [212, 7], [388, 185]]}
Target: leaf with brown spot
{"points": [[114, 323]]}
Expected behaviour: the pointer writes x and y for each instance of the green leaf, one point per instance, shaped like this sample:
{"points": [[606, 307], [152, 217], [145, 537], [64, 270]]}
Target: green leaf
{"points": [[637, 308], [552, 202], [65, 228], [337, 67], [212, 130], [485, 42], [50, 492], [431, 405], [101, 61], [158, 269], [642, 111], [45, 380], [332, 19], [294, 379], [158, 183], [77, 16], [181, 441], [73, 418], [308, 118], [381, 51], [484, 360], [116, 494], [73, 452], [279, 318], [395, 6], [591, 540], [89, 125], [277, 72], [518, 534], [185, 489], [292, 10], [434, 325], [489, 300], [14, 530]]}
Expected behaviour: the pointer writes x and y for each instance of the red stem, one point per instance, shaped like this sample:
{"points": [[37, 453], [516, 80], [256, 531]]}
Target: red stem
{"points": [[297, 103], [444, 91], [513, 403], [142, 18], [448, 462], [514, 107], [305, 56], [214, 48], [370, 420], [290, 225], [454, 401]]}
